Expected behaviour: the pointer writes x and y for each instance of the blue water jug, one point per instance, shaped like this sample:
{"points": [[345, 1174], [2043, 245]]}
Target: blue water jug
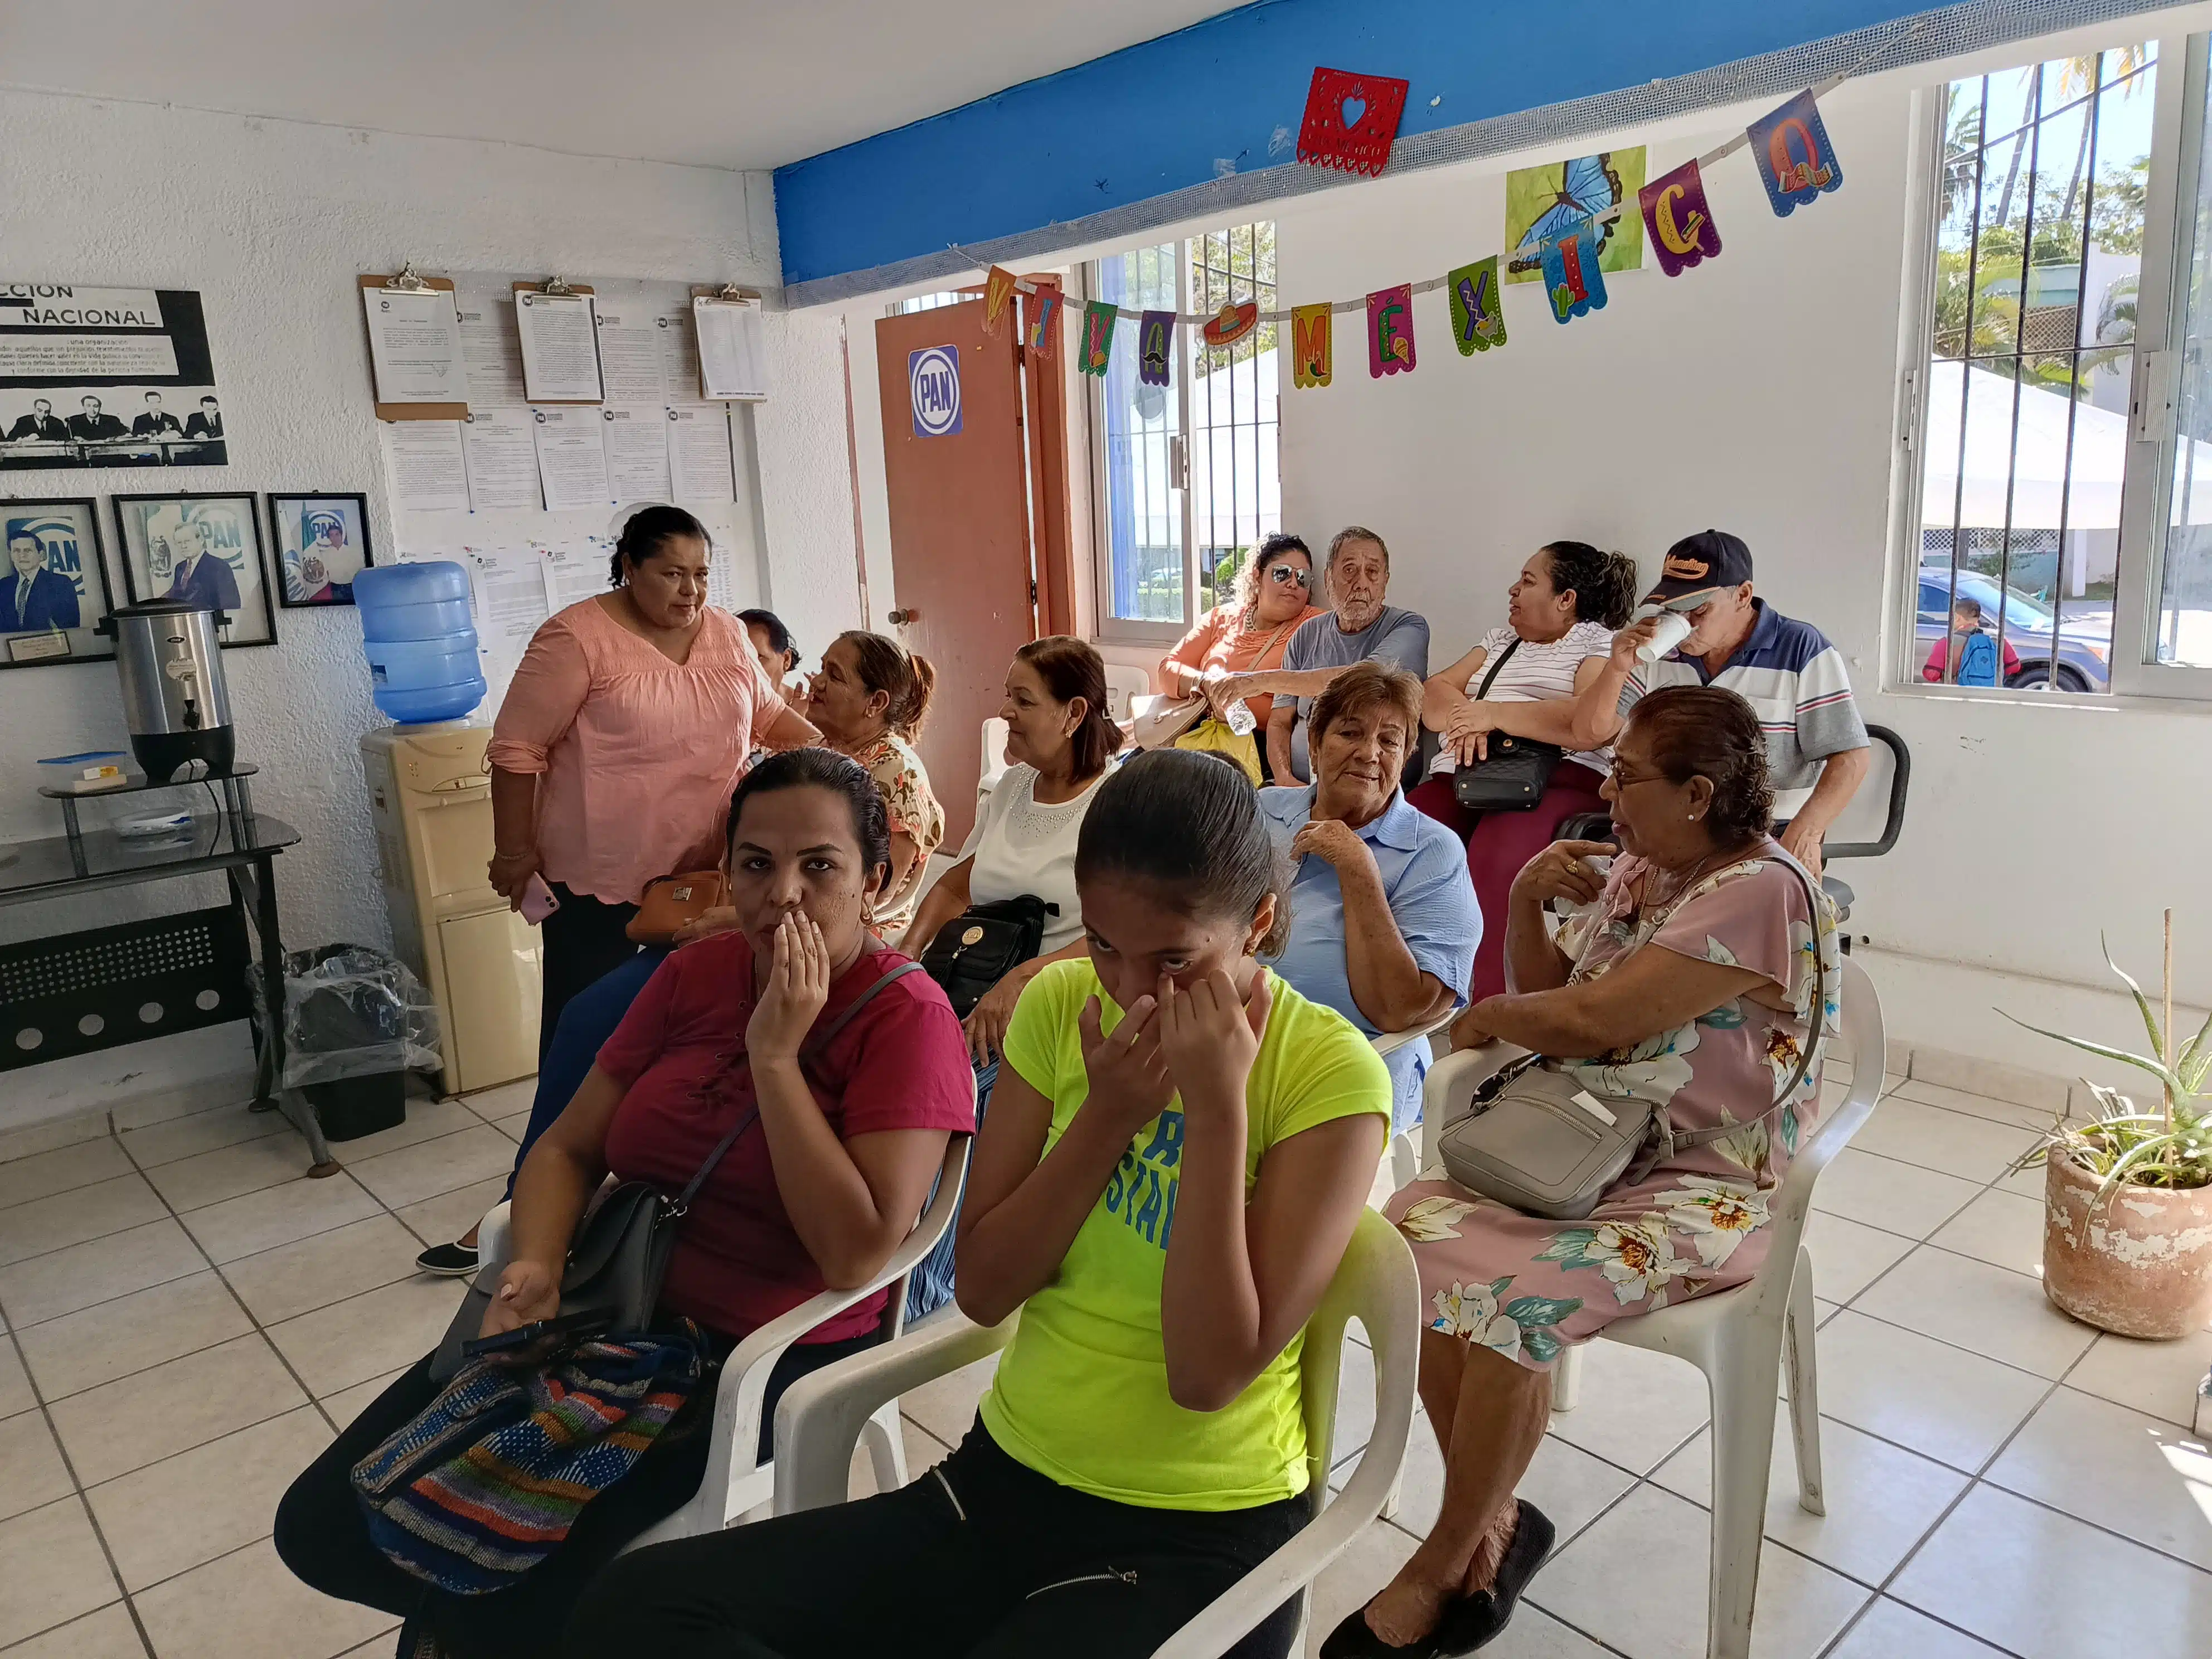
{"points": [[421, 641]]}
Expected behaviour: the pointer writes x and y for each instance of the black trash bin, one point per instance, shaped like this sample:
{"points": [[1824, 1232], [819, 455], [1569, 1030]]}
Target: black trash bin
{"points": [[355, 1022]]}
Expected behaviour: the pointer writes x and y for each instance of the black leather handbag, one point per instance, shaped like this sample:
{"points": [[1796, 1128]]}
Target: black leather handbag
{"points": [[982, 944], [1513, 776], [619, 1255]]}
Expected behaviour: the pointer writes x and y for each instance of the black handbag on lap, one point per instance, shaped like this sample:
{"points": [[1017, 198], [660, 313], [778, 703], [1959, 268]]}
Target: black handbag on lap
{"points": [[982, 944], [1513, 776]]}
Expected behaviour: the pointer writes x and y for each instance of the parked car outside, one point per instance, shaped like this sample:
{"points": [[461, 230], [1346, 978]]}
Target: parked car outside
{"points": [[2083, 647]]}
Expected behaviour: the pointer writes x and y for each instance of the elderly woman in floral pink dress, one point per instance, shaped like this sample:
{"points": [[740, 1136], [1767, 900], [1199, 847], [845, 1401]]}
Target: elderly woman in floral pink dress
{"points": [[1690, 977]]}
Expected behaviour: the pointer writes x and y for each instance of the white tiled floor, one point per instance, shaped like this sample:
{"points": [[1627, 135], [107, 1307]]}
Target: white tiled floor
{"points": [[188, 1320]]}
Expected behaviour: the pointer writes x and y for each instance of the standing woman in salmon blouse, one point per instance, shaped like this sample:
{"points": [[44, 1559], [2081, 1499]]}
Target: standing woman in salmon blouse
{"points": [[628, 725]]}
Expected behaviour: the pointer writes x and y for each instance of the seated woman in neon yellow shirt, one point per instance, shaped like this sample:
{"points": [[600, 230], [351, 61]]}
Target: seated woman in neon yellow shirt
{"points": [[1178, 1149]]}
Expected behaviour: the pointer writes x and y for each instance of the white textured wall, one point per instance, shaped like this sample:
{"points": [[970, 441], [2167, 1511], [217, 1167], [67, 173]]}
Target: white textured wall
{"points": [[272, 221]]}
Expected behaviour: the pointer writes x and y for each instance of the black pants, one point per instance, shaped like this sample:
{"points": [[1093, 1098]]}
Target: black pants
{"points": [[584, 939], [982, 1557], [324, 1540]]}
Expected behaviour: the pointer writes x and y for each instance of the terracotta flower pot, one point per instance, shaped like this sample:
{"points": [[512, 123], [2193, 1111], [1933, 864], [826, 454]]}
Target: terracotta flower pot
{"points": [[2140, 1264]]}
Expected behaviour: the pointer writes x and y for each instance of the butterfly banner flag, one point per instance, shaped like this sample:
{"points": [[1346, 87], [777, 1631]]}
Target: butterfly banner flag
{"points": [[1680, 220], [1791, 147], [1390, 330], [1097, 354], [1478, 316], [1310, 344], [1544, 202], [1572, 279], [1155, 343], [1351, 121], [998, 294]]}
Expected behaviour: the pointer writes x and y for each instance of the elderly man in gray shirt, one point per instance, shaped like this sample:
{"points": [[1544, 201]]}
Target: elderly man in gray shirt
{"points": [[1359, 575]]}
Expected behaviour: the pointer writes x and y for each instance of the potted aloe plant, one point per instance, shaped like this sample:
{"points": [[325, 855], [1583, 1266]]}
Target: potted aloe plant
{"points": [[2127, 1241]]}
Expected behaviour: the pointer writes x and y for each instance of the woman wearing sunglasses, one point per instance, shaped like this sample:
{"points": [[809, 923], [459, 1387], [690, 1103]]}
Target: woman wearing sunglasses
{"points": [[1248, 633]]}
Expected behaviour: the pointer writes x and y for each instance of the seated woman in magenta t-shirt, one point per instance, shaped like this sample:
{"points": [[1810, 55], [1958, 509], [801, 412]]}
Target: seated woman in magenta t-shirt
{"points": [[818, 1191]]}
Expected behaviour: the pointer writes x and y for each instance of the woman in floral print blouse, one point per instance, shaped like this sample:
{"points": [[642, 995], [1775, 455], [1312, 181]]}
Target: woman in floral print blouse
{"points": [[868, 701], [1688, 975]]}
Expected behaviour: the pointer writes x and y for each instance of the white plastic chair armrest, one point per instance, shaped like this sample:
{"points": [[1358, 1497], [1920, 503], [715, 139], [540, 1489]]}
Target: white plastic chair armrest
{"points": [[817, 1423], [495, 1239], [1388, 1043], [737, 1408]]}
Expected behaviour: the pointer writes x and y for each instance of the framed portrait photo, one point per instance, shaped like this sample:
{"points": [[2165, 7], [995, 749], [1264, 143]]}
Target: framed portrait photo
{"points": [[205, 548], [53, 589], [322, 544]]}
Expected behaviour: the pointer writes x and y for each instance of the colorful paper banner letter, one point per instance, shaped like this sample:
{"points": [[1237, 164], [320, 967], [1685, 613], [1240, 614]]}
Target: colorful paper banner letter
{"points": [[1680, 219], [1231, 323], [1572, 276], [1351, 121], [1043, 336], [1155, 341], [1791, 146], [1311, 348], [1477, 318], [1098, 319], [998, 296], [1390, 330]]}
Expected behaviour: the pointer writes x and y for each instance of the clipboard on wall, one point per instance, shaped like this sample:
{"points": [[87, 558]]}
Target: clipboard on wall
{"points": [[404, 287], [558, 323], [727, 327]]}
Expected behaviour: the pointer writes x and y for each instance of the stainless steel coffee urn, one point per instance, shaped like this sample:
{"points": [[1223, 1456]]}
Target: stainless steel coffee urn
{"points": [[174, 700]]}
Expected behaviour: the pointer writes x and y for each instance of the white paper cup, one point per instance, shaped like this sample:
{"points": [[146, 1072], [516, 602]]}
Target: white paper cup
{"points": [[1674, 628]]}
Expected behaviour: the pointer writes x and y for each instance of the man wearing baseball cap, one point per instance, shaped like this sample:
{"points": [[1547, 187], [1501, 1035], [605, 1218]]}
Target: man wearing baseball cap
{"points": [[1816, 742]]}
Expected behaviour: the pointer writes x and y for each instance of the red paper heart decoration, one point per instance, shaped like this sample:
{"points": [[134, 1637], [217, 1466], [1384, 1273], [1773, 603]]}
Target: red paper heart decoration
{"points": [[1351, 121]]}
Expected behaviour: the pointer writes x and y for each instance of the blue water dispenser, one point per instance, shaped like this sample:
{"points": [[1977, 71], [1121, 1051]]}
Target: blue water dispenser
{"points": [[421, 641]]}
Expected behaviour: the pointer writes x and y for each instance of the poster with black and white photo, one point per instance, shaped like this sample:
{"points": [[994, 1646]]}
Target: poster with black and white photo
{"points": [[105, 377]]}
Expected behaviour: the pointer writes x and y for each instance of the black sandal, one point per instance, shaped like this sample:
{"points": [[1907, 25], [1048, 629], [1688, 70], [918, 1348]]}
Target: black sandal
{"points": [[1473, 1621], [1468, 1621]]}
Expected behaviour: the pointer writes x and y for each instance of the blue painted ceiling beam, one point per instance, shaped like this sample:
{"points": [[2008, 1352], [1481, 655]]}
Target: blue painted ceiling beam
{"points": [[1228, 94]]}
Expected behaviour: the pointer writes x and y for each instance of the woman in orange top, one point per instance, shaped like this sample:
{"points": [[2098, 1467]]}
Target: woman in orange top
{"points": [[628, 725], [1274, 599]]}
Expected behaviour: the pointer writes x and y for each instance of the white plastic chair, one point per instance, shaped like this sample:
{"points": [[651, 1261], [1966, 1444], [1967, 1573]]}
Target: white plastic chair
{"points": [[994, 757], [736, 1483], [822, 1416], [1741, 1338], [1408, 1148]]}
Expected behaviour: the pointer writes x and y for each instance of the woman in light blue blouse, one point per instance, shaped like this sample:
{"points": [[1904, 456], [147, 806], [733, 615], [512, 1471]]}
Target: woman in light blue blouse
{"points": [[1383, 918]]}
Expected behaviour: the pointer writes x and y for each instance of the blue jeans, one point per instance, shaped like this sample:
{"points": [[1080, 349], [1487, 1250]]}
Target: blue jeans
{"points": [[930, 1286], [587, 1020]]}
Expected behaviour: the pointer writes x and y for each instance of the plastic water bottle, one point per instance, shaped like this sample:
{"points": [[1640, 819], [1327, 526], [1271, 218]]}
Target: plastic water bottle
{"points": [[420, 638], [1241, 719]]}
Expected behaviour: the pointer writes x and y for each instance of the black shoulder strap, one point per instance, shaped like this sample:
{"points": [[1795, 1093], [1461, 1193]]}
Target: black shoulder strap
{"points": [[815, 1044], [1504, 656]]}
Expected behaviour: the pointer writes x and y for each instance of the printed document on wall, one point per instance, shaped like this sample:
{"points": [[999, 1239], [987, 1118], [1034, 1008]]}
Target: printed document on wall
{"points": [[574, 571], [423, 464], [508, 585], [733, 354], [560, 354], [502, 446], [493, 351], [679, 355], [637, 452], [629, 357], [699, 452], [572, 457], [415, 346]]}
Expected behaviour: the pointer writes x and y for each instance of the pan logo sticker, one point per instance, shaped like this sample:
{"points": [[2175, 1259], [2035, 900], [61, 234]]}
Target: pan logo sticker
{"points": [[933, 377]]}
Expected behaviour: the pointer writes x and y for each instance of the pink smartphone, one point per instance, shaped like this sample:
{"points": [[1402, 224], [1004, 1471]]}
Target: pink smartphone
{"points": [[538, 900]]}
